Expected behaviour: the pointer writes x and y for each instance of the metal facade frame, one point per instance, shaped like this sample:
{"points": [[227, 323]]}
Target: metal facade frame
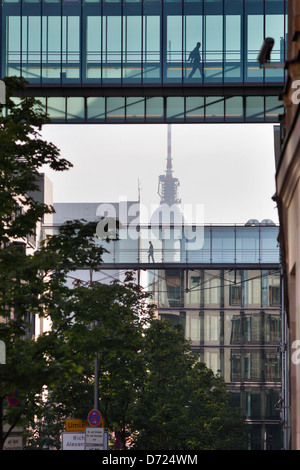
{"points": [[139, 49]]}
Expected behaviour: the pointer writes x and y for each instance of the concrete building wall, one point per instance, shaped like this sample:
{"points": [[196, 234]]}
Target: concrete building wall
{"points": [[288, 198]]}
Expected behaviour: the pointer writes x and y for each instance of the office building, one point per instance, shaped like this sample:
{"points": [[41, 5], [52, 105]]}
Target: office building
{"points": [[229, 305], [224, 287], [31, 243]]}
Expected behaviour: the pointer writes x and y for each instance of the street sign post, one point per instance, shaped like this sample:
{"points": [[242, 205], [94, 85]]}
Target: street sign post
{"points": [[75, 425], [13, 443], [2, 344], [94, 418], [73, 441], [94, 438], [13, 398]]}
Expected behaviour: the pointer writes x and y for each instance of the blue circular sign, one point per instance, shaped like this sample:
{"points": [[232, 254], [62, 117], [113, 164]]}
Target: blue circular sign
{"points": [[94, 418]]}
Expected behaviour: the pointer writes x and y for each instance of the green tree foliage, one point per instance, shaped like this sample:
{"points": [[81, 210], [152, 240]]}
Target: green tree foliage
{"points": [[85, 318], [108, 319], [22, 155], [183, 405], [34, 284], [152, 389]]}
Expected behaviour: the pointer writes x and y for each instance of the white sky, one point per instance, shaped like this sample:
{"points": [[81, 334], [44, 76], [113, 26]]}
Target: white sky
{"points": [[229, 169]]}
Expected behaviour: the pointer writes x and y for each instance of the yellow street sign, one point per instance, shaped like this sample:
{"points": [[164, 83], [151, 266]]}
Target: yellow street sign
{"points": [[75, 425]]}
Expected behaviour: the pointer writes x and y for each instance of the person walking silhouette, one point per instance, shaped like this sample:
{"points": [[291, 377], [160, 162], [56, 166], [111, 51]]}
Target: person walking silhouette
{"points": [[195, 59], [150, 253]]}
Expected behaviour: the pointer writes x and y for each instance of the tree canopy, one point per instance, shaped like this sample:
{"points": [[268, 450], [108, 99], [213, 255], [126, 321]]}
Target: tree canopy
{"points": [[152, 388], [183, 405]]}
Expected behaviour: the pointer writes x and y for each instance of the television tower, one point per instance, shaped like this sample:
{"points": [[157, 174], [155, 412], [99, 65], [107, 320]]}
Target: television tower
{"points": [[167, 184]]}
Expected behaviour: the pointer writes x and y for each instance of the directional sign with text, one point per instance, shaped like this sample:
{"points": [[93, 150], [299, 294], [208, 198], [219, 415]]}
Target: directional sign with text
{"points": [[73, 441], [94, 418], [94, 438], [75, 425]]}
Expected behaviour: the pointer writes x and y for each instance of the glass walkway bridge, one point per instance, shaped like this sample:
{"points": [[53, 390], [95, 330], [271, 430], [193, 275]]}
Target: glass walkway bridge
{"points": [[127, 61], [192, 247]]}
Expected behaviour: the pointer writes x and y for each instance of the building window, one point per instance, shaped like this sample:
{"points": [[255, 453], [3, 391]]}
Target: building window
{"points": [[235, 295], [235, 367], [272, 328], [236, 330], [272, 367], [274, 296]]}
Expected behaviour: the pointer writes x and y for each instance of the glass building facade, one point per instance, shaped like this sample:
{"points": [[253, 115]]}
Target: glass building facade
{"points": [[223, 286], [195, 245], [233, 320], [227, 297], [128, 60], [225, 290]]}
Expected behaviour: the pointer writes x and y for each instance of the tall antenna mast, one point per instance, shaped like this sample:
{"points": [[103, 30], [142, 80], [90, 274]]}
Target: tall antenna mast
{"points": [[139, 191], [169, 171], [167, 185]]}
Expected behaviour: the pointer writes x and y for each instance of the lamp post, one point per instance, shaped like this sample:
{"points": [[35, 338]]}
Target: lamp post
{"points": [[96, 372]]}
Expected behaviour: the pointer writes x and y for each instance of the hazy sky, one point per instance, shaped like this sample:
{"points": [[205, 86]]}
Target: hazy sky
{"points": [[228, 168]]}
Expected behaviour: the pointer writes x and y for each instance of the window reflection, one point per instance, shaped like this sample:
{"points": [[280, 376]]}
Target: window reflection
{"points": [[232, 319], [141, 41]]}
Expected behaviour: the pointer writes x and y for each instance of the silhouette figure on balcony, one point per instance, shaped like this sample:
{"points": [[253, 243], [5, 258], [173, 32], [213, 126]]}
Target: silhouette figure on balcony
{"points": [[195, 59], [150, 252]]}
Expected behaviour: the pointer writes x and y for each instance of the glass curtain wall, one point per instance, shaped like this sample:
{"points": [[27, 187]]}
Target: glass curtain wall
{"points": [[232, 318], [141, 41]]}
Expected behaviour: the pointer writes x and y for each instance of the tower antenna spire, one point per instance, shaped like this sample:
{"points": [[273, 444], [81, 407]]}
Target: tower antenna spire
{"points": [[169, 171], [167, 184]]}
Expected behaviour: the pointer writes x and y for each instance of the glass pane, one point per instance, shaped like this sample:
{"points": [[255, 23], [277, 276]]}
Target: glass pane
{"points": [[214, 48], [13, 45], [31, 48], [247, 244], [151, 48], [154, 109], [111, 48], [51, 48], [56, 108], [135, 109], [252, 290], [274, 107], [214, 110], [203, 254], [232, 66], [275, 29], [75, 109], [192, 327], [193, 294], [194, 108], [254, 108], [115, 109], [212, 328], [193, 35], [96, 109], [93, 48], [175, 109], [132, 49], [174, 48], [70, 48], [269, 244], [223, 244], [255, 37], [211, 288], [234, 109]]}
